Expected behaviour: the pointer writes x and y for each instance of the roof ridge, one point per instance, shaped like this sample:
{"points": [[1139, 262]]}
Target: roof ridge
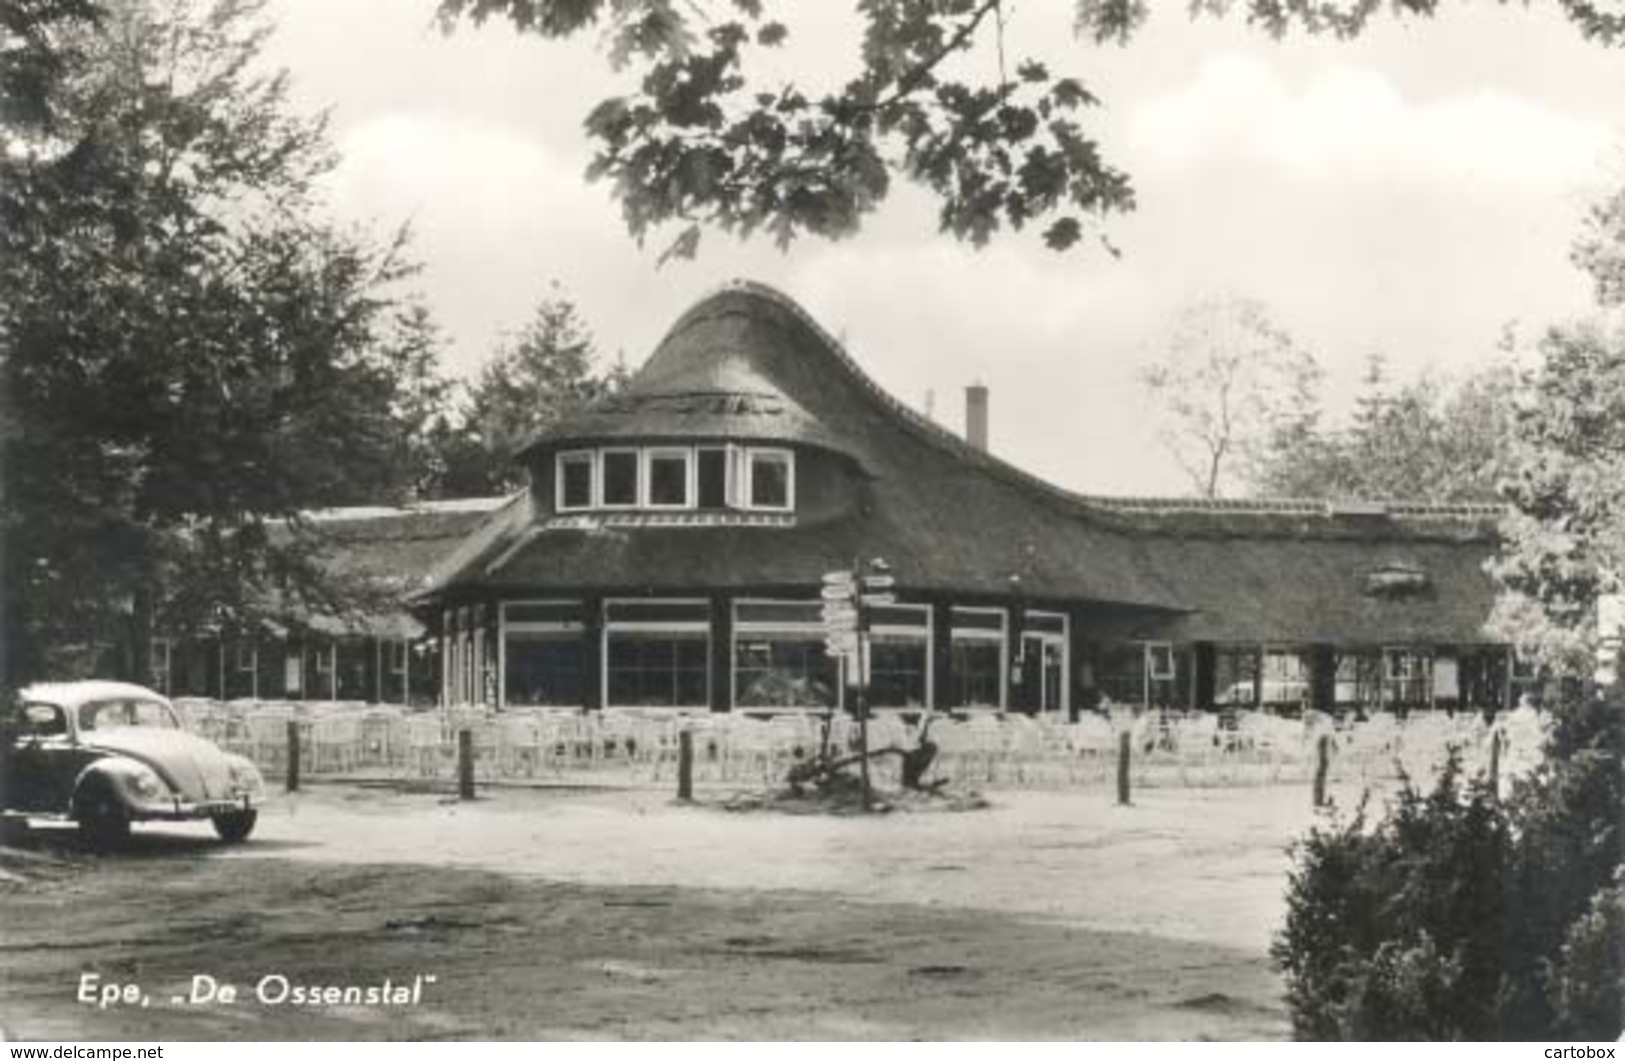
{"points": [[959, 447]]}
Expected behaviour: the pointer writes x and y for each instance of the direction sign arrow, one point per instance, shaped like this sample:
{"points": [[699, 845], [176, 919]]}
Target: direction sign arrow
{"points": [[838, 578], [878, 582], [838, 593], [878, 599]]}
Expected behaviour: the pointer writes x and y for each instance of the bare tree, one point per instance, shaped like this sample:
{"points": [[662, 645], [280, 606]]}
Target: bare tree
{"points": [[1228, 384]]}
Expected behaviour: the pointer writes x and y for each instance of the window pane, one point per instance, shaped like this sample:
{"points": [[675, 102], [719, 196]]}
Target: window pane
{"points": [[976, 673], [897, 672], [668, 480], [658, 669], [577, 475], [784, 672], [620, 478], [543, 669], [1121, 673], [779, 614], [713, 478], [560, 612], [659, 611], [769, 480], [990, 622]]}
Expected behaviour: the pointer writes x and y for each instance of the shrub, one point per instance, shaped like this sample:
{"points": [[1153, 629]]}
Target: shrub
{"points": [[1391, 931], [1459, 917], [1585, 988]]}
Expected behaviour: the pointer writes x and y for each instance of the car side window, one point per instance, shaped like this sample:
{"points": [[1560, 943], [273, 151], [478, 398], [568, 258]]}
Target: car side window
{"points": [[42, 720]]}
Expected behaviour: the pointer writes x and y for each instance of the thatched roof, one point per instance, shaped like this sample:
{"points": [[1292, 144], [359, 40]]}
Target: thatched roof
{"points": [[747, 363], [390, 551]]}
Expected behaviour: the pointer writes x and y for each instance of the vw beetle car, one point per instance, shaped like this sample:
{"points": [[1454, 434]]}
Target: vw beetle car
{"points": [[107, 754]]}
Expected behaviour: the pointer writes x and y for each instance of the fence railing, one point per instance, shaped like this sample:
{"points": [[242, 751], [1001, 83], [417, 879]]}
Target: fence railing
{"points": [[984, 750]]}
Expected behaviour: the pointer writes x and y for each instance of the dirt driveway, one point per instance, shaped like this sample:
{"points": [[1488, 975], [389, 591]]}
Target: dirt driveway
{"points": [[549, 914]]}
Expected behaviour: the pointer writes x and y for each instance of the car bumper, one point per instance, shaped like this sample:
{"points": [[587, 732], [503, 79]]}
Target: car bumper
{"points": [[185, 810]]}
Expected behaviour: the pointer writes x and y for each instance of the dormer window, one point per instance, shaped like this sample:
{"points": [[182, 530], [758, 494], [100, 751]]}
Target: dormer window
{"points": [[711, 478], [771, 477], [667, 477], [575, 479], [619, 481]]}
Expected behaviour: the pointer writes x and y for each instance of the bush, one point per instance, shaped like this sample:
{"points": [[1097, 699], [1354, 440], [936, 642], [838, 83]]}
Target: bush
{"points": [[1391, 931], [1585, 988], [1459, 917]]}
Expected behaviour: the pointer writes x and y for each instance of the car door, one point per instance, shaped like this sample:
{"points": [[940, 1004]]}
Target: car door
{"points": [[42, 760]]}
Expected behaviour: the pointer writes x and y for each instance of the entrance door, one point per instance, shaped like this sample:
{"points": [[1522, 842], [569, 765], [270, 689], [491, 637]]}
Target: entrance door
{"points": [[1043, 672]]}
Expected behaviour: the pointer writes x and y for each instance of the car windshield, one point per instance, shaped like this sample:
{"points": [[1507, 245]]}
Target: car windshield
{"points": [[117, 714]]}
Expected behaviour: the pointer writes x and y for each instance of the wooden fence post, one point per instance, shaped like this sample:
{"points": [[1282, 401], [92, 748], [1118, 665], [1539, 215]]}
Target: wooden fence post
{"points": [[465, 764], [293, 755], [1323, 763], [1495, 764], [685, 765], [1124, 741]]}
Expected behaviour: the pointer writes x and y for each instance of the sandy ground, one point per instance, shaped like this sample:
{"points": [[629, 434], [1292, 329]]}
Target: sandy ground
{"points": [[569, 914]]}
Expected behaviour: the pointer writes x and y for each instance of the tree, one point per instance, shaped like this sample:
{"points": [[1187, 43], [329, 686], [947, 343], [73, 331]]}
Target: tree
{"points": [[190, 358], [1228, 384], [1426, 439], [533, 378], [1564, 541], [708, 139]]}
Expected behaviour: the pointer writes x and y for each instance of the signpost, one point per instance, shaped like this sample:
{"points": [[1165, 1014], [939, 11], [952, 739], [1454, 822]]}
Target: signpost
{"points": [[848, 599]]}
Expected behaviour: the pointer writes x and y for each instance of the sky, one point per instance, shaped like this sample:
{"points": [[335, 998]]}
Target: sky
{"points": [[1411, 194]]}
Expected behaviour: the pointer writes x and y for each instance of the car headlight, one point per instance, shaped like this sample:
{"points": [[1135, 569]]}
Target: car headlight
{"points": [[245, 776], [145, 784]]}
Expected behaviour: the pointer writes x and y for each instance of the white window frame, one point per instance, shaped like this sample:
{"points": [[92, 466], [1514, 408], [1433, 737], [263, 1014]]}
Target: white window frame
{"points": [[504, 624], [1001, 635], [815, 628], [568, 456], [1419, 652], [664, 626], [747, 488], [927, 632], [1064, 639], [1151, 672], [601, 478], [646, 480]]}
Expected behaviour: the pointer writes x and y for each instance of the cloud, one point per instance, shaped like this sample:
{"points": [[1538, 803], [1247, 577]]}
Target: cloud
{"points": [[1353, 124]]}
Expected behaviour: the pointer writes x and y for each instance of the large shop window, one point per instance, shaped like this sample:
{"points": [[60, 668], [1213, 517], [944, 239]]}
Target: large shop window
{"points": [[543, 658], [779, 658], [1286, 681], [900, 656], [1407, 678], [1358, 686], [978, 657], [657, 653], [1144, 674]]}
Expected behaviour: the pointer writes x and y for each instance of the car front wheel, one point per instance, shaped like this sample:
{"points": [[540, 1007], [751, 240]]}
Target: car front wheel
{"points": [[234, 826], [104, 821]]}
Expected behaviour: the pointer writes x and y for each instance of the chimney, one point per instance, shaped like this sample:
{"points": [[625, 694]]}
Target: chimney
{"points": [[976, 415]]}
